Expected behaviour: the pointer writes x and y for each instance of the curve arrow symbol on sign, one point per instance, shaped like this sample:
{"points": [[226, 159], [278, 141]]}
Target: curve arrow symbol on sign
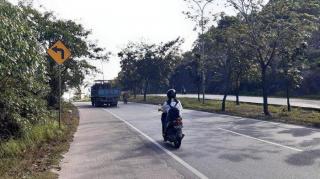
{"points": [[56, 49]]}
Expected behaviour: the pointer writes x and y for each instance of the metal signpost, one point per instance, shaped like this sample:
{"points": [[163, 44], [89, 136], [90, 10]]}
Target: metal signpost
{"points": [[59, 53]]}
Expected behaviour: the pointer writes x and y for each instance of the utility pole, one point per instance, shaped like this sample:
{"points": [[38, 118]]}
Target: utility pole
{"points": [[202, 60], [102, 71], [201, 6]]}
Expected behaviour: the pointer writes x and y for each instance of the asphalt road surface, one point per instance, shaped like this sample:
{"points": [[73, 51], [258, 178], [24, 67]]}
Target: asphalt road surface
{"points": [[259, 100], [126, 142]]}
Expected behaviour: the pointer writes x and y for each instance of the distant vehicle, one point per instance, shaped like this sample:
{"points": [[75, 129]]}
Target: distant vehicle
{"points": [[102, 93], [125, 97]]}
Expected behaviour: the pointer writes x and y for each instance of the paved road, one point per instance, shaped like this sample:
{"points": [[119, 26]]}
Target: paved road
{"points": [[277, 101], [125, 142]]}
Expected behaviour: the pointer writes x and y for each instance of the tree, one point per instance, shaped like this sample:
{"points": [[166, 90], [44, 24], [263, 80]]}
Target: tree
{"points": [[196, 74], [23, 80], [197, 13], [48, 29], [291, 64], [267, 26], [187, 73], [128, 76], [148, 64], [229, 59], [157, 62]]}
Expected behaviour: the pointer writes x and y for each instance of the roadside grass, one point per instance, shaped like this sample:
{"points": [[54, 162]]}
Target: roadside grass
{"points": [[40, 149], [298, 116]]}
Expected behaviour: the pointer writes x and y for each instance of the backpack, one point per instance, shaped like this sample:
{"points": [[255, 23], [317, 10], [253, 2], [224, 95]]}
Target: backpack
{"points": [[173, 112]]}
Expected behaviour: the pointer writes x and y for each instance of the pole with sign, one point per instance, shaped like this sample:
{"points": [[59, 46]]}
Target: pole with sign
{"points": [[59, 53]]}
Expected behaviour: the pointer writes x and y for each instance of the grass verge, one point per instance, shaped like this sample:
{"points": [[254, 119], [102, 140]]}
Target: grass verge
{"points": [[298, 116], [40, 149]]}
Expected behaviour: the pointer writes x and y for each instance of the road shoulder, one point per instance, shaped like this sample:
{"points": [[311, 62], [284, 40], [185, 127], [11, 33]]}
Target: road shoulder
{"points": [[105, 147]]}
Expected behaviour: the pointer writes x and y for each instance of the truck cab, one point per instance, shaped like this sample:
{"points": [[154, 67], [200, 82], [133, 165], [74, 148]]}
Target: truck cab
{"points": [[102, 93]]}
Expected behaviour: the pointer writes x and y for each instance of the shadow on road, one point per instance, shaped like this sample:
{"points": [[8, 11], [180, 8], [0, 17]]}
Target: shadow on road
{"points": [[298, 132], [146, 148], [310, 143], [87, 106], [306, 158], [238, 157]]}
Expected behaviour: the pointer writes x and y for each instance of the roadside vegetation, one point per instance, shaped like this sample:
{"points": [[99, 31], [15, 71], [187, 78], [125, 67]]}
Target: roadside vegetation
{"points": [[298, 116], [269, 48], [30, 137], [37, 153]]}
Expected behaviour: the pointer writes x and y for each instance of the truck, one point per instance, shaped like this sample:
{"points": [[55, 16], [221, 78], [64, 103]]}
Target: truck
{"points": [[102, 93]]}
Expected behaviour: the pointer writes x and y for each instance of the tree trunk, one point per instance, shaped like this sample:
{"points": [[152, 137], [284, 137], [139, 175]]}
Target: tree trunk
{"points": [[145, 92], [199, 93], [203, 87], [223, 108], [265, 90], [135, 93], [226, 91], [144, 96], [237, 92], [237, 99], [288, 98]]}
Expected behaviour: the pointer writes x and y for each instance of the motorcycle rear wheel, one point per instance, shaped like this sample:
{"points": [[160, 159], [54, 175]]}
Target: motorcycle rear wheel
{"points": [[165, 139], [177, 144]]}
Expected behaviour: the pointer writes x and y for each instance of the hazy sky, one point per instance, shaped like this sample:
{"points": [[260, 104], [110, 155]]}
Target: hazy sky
{"points": [[116, 22]]}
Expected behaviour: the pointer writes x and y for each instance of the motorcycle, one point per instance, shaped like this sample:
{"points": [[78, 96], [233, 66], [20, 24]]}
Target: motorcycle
{"points": [[125, 100], [125, 97], [173, 131]]}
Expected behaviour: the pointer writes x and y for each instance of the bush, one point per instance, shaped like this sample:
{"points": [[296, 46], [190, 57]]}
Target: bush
{"points": [[23, 81], [32, 138]]}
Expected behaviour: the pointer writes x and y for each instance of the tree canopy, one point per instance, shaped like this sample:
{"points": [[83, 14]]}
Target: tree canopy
{"points": [[28, 77], [145, 65]]}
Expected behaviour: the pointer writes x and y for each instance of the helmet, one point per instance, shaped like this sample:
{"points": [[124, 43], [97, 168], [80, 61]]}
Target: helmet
{"points": [[171, 93]]}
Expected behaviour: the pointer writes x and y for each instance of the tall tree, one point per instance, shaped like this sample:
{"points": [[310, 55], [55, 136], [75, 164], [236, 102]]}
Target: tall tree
{"points": [[267, 24], [49, 29], [149, 64], [129, 76], [202, 16], [22, 73], [292, 62], [228, 56]]}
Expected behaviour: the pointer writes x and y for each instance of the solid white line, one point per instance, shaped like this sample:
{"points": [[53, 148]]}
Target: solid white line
{"points": [[178, 159], [261, 140]]}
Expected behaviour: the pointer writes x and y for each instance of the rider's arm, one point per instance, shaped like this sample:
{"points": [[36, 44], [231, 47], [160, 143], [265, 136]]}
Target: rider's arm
{"points": [[165, 107], [179, 106]]}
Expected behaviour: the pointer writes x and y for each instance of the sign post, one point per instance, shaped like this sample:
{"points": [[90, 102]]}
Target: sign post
{"points": [[60, 109], [59, 53]]}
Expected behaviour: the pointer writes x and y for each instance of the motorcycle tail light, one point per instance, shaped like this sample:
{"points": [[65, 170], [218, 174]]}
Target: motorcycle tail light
{"points": [[178, 121]]}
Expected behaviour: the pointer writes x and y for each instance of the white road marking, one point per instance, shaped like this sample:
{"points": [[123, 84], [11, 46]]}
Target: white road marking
{"points": [[178, 159], [261, 140]]}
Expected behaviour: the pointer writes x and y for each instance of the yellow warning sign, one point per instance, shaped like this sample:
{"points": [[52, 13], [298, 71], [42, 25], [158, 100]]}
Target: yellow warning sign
{"points": [[59, 52]]}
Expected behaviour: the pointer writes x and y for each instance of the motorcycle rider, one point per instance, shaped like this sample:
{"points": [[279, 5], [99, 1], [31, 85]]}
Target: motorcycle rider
{"points": [[125, 97], [171, 101]]}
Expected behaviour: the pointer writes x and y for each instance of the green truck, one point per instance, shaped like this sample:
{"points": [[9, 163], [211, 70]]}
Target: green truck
{"points": [[102, 93]]}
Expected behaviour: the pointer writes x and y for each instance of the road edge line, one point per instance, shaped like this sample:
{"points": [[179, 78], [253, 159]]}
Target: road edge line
{"points": [[175, 157], [261, 140]]}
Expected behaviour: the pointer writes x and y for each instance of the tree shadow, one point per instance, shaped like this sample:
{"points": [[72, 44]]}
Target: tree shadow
{"points": [[298, 132], [246, 122], [305, 158], [84, 106], [309, 143], [146, 148], [238, 157]]}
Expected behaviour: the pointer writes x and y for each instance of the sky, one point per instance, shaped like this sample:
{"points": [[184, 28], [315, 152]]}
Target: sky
{"points": [[114, 23]]}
